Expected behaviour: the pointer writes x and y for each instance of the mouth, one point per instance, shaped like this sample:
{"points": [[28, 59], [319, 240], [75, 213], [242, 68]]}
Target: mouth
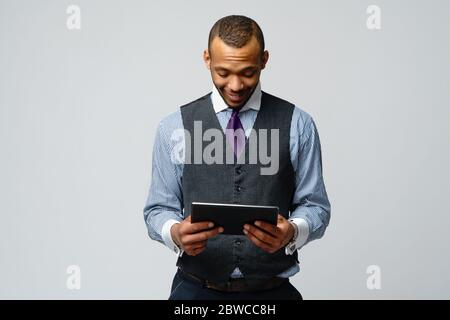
{"points": [[235, 97]]}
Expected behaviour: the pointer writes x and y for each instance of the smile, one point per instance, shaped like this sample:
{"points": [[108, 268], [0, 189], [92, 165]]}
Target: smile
{"points": [[235, 97]]}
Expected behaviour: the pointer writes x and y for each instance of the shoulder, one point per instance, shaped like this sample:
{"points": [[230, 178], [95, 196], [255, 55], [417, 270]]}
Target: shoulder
{"points": [[302, 122], [170, 124], [192, 110], [301, 118], [174, 121], [276, 101], [302, 125], [196, 101]]}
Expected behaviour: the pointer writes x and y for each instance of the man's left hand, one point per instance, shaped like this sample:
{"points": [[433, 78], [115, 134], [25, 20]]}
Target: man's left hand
{"points": [[269, 237]]}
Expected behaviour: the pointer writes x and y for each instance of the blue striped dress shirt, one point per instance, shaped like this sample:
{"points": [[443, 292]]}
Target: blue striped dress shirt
{"points": [[163, 207]]}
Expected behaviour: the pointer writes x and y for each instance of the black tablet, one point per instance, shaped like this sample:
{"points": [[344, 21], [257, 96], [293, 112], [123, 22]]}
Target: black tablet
{"points": [[232, 217]]}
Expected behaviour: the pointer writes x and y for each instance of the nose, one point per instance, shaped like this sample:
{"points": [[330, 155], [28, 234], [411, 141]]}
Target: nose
{"points": [[235, 84]]}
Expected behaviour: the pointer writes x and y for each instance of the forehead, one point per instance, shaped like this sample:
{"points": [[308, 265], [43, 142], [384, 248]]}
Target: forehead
{"points": [[221, 53]]}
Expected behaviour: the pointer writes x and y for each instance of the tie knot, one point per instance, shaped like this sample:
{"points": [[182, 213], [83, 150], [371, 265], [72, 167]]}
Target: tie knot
{"points": [[235, 112]]}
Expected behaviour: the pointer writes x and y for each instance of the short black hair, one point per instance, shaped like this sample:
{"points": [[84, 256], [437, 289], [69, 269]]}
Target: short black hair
{"points": [[236, 31]]}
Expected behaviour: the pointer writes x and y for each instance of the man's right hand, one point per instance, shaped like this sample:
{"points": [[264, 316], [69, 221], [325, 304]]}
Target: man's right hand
{"points": [[192, 237]]}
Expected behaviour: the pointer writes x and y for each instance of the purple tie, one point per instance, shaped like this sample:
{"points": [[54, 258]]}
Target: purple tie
{"points": [[235, 133]]}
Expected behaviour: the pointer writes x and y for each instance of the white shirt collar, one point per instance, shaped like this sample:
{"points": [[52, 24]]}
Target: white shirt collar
{"points": [[253, 103]]}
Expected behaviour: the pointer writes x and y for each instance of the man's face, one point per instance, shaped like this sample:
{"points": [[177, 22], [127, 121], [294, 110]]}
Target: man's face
{"points": [[235, 71]]}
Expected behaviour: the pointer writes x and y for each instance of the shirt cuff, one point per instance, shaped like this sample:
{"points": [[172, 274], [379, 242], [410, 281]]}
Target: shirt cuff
{"points": [[167, 237], [302, 236]]}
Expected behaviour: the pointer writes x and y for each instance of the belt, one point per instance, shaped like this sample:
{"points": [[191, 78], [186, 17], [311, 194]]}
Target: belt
{"points": [[236, 285]]}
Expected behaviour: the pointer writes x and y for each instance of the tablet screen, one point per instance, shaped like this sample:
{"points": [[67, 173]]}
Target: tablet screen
{"points": [[232, 217]]}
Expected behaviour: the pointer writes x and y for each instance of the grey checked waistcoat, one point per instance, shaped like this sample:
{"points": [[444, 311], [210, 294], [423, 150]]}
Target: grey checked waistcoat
{"points": [[238, 184]]}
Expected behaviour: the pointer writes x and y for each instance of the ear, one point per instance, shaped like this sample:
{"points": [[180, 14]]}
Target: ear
{"points": [[265, 58], [207, 59]]}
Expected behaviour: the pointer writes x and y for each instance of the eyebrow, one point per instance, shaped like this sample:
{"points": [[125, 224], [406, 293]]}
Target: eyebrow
{"points": [[242, 70]]}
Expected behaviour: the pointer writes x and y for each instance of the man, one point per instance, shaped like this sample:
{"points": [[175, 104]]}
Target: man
{"points": [[256, 265]]}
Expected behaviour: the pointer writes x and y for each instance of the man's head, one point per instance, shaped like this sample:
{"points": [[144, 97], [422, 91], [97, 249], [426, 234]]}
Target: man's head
{"points": [[235, 57]]}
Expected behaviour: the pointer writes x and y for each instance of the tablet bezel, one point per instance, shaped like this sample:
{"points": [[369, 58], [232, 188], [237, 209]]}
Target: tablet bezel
{"points": [[233, 224]]}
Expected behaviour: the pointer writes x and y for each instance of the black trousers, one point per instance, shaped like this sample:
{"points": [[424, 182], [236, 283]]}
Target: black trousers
{"points": [[184, 288]]}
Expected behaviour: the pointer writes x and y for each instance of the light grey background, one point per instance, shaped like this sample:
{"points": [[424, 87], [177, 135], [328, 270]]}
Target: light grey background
{"points": [[79, 111]]}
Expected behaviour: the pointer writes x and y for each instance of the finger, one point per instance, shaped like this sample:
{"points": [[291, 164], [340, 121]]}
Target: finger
{"points": [[193, 252], [268, 227], [258, 242], [202, 236], [198, 251], [199, 226], [260, 234], [195, 245]]}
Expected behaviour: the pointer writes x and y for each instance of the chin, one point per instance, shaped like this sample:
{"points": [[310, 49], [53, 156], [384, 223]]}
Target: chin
{"points": [[234, 104]]}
